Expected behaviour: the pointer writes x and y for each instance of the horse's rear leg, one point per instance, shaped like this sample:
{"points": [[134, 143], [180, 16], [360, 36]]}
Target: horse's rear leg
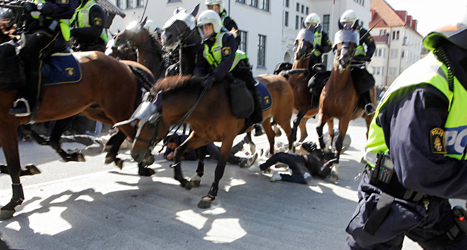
{"points": [[54, 141], [224, 155], [270, 134], [297, 121], [303, 132], [9, 143], [196, 179]]}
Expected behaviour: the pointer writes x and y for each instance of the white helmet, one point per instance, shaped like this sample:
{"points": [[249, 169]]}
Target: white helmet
{"points": [[349, 17], [209, 17], [216, 2], [312, 19], [151, 26], [179, 9]]}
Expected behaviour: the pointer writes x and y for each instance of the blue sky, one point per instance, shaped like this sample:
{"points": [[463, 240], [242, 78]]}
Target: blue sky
{"points": [[432, 14]]}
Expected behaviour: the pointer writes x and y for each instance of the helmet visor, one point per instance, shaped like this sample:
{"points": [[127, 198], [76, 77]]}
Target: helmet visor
{"points": [[206, 30]]}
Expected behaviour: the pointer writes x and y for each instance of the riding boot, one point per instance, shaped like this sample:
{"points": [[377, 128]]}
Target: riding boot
{"points": [[368, 105], [27, 100], [257, 117]]}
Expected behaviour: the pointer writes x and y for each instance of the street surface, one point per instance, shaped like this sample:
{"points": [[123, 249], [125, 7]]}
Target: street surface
{"points": [[95, 206]]}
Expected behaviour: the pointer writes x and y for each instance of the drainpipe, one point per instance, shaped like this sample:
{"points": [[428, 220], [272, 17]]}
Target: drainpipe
{"points": [[389, 52]]}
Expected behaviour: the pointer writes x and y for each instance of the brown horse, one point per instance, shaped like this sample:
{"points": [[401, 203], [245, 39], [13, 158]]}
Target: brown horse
{"points": [[123, 52], [106, 81], [339, 98], [211, 120], [298, 78]]}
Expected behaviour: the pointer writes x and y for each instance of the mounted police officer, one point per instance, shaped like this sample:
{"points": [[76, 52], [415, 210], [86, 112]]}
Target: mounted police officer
{"points": [[87, 27], [363, 80], [416, 155], [217, 55], [321, 43], [47, 31], [227, 21]]}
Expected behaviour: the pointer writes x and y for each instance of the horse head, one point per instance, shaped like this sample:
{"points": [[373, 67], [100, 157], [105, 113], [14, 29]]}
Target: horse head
{"points": [[346, 41], [179, 29], [134, 34], [304, 43]]}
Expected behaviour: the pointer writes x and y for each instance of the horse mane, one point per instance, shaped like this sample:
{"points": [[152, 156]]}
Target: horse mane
{"points": [[156, 42], [174, 84]]}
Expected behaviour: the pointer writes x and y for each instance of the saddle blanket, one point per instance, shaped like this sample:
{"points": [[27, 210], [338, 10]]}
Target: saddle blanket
{"points": [[266, 98], [61, 68]]}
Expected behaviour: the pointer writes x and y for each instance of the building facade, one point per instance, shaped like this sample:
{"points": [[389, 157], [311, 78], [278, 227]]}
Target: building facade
{"points": [[398, 44], [268, 27]]}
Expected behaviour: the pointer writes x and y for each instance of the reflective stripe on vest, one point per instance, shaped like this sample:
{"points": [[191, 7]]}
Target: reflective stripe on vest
{"points": [[214, 54], [81, 18], [317, 41], [428, 70], [64, 23]]}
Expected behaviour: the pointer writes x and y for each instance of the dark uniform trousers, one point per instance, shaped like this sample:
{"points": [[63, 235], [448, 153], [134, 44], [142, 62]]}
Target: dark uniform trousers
{"points": [[243, 72], [34, 48]]}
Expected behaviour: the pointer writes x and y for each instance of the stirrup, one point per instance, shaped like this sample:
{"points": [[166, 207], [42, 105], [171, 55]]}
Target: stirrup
{"points": [[26, 104], [369, 109]]}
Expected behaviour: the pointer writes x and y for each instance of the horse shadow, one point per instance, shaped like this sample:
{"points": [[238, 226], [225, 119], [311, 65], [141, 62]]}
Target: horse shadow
{"points": [[156, 212]]}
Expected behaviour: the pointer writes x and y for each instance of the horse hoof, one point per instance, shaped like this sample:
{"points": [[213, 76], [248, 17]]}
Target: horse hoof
{"points": [[30, 170], [146, 172], [277, 131], [108, 160], [205, 202], [195, 183], [119, 163], [80, 158], [188, 185], [6, 214]]}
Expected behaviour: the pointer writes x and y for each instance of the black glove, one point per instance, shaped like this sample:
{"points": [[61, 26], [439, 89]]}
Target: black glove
{"points": [[29, 7], [209, 82], [318, 48], [362, 59]]}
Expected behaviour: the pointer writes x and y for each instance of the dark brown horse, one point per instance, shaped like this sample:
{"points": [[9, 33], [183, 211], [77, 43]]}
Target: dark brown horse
{"points": [[106, 81], [123, 52], [211, 120], [298, 78], [149, 51], [339, 98]]}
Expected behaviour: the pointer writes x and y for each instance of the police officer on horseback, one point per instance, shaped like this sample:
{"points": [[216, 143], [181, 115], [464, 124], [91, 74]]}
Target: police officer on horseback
{"points": [[321, 43], [217, 55], [416, 155], [46, 31], [87, 27], [227, 21], [363, 80]]}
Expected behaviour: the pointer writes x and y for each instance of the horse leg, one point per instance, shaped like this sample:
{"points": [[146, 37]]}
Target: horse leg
{"points": [[247, 139], [270, 134], [331, 133], [196, 179], [319, 131], [303, 131], [54, 141], [9, 143], [297, 121], [224, 155], [111, 156]]}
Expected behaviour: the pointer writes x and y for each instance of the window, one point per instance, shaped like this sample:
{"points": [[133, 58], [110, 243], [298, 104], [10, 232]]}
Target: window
{"points": [[382, 71], [303, 9], [378, 71], [307, 10], [264, 5], [298, 7], [301, 21], [392, 71], [286, 19], [287, 3], [393, 53], [402, 54], [243, 38], [261, 51], [240, 1], [119, 4], [139, 3], [297, 22], [326, 23], [129, 4], [378, 52], [395, 35], [254, 3]]}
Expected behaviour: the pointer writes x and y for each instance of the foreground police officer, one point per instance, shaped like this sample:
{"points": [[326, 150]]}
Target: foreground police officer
{"points": [[217, 55], [363, 80], [416, 155], [46, 32], [88, 27], [321, 43]]}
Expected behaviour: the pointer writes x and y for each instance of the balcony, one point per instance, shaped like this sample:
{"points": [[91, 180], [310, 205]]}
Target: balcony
{"points": [[381, 39]]}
